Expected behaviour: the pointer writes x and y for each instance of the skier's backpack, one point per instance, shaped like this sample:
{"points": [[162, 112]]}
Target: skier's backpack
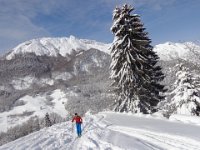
{"points": [[78, 119]]}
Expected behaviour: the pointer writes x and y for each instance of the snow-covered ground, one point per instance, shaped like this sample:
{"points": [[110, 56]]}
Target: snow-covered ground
{"points": [[114, 131]]}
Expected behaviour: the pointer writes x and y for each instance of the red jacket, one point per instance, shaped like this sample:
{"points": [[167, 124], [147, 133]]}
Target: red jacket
{"points": [[77, 119]]}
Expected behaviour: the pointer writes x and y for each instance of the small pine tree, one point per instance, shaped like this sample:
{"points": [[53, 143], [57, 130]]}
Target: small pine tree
{"points": [[185, 96], [134, 67], [47, 120]]}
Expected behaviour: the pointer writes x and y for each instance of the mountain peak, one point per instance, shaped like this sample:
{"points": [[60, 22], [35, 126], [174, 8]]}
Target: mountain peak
{"points": [[72, 37]]}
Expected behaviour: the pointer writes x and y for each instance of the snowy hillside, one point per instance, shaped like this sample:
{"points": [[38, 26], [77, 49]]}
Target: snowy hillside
{"points": [[34, 106], [55, 46], [114, 131]]}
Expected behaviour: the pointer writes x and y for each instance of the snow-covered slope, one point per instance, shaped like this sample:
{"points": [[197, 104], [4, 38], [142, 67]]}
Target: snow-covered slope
{"points": [[169, 50], [34, 106], [55, 46], [114, 131]]}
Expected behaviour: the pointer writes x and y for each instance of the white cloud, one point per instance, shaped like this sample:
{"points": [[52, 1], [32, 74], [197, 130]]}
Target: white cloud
{"points": [[16, 23], [17, 29]]}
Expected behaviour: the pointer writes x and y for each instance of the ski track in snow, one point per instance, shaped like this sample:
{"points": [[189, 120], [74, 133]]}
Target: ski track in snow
{"points": [[163, 140], [101, 133]]}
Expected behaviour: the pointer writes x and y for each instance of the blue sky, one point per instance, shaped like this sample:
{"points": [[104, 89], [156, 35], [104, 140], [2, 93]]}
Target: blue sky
{"points": [[165, 20]]}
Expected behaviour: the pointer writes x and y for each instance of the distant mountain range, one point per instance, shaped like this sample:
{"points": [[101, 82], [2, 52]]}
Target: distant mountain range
{"points": [[67, 46], [67, 75]]}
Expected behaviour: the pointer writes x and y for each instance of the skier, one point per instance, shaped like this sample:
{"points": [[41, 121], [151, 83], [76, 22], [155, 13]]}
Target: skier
{"points": [[78, 121]]}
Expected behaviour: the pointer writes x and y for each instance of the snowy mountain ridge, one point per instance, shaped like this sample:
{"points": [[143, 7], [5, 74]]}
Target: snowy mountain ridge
{"points": [[55, 46], [65, 46]]}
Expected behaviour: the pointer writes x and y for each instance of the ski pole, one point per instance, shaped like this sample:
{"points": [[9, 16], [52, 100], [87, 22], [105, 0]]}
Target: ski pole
{"points": [[72, 127]]}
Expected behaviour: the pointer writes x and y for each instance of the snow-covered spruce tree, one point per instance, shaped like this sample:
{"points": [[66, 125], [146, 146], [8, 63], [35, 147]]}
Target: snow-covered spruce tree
{"points": [[47, 120], [134, 69], [185, 96]]}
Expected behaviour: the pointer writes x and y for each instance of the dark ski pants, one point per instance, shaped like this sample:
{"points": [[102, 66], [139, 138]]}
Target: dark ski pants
{"points": [[78, 128]]}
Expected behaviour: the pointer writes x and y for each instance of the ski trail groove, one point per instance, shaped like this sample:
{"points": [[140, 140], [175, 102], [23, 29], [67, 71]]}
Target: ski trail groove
{"points": [[164, 140]]}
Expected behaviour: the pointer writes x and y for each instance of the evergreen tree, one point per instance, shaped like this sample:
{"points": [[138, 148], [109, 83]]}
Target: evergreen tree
{"points": [[47, 120], [134, 67], [185, 95]]}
